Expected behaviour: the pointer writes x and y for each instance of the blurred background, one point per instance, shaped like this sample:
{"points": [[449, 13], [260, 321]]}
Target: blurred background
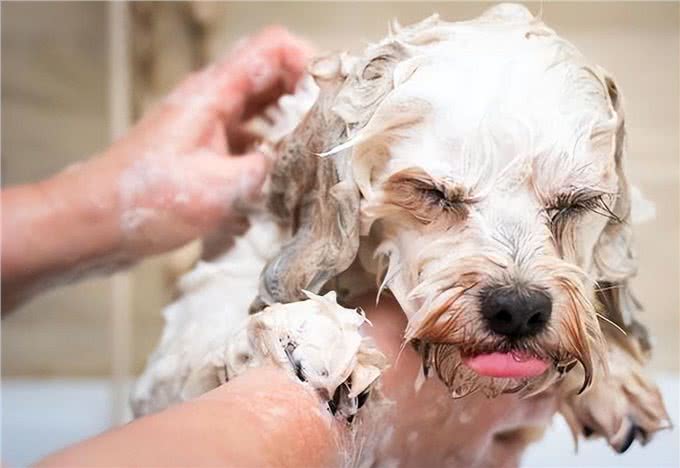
{"points": [[76, 73]]}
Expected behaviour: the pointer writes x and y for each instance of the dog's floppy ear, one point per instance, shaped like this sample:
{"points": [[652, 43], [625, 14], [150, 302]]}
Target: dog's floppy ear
{"points": [[613, 255], [315, 196]]}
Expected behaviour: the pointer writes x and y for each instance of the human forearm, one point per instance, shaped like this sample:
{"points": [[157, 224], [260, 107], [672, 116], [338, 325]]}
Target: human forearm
{"points": [[261, 419]]}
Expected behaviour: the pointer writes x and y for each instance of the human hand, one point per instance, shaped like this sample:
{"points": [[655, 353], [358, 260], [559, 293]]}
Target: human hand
{"points": [[180, 172], [177, 175]]}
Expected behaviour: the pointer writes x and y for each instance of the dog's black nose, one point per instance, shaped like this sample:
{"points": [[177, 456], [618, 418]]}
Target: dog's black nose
{"points": [[516, 313]]}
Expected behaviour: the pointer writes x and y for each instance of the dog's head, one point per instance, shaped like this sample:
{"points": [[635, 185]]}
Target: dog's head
{"points": [[479, 164]]}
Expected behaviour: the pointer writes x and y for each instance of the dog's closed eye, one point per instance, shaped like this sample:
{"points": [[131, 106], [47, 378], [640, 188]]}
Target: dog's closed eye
{"points": [[426, 198], [568, 206]]}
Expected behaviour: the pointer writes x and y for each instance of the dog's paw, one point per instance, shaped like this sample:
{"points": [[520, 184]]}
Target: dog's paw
{"points": [[622, 407], [318, 342]]}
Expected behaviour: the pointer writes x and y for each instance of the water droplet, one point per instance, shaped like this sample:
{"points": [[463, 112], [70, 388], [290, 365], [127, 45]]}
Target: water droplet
{"points": [[519, 357]]}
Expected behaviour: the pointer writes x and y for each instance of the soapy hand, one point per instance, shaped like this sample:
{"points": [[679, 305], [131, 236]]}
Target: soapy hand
{"points": [[182, 172], [182, 169]]}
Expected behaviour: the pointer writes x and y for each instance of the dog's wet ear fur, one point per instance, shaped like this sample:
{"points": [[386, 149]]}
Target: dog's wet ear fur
{"points": [[315, 196], [613, 255]]}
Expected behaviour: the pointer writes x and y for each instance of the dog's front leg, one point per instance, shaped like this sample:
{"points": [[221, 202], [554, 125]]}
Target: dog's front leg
{"points": [[317, 342]]}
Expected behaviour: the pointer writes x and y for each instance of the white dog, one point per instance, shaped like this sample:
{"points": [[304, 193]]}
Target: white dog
{"points": [[476, 169]]}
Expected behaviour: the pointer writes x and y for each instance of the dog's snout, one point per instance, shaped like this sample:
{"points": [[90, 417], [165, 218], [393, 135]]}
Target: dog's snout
{"points": [[516, 313]]}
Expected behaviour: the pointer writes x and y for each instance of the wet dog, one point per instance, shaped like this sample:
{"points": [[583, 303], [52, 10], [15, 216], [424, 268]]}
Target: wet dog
{"points": [[476, 169]]}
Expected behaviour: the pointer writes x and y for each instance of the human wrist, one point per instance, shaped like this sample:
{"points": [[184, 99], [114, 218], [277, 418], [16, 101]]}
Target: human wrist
{"points": [[58, 230], [85, 205]]}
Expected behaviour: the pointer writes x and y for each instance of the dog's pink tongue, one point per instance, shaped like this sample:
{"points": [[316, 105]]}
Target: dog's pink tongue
{"points": [[508, 365]]}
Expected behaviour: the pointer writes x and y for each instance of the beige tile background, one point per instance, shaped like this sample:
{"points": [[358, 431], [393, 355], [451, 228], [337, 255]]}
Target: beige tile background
{"points": [[54, 83]]}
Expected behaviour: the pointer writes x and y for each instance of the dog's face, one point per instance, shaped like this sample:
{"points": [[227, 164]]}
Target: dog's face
{"points": [[486, 157], [488, 205], [491, 177]]}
